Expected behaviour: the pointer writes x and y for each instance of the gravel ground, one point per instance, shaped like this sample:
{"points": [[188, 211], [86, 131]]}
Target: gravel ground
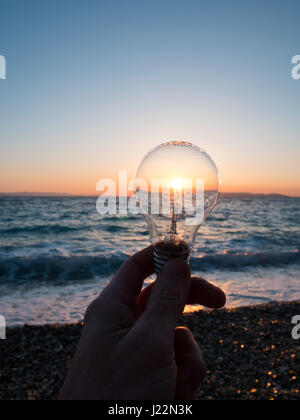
{"points": [[249, 352]]}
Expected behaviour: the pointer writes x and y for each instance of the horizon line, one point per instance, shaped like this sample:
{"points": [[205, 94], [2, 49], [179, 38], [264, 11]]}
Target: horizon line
{"points": [[54, 194]]}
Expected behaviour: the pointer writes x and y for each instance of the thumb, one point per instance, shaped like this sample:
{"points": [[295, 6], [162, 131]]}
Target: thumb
{"points": [[168, 296]]}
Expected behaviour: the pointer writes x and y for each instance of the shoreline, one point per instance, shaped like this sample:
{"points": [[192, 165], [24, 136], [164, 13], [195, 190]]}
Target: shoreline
{"points": [[249, 352]]}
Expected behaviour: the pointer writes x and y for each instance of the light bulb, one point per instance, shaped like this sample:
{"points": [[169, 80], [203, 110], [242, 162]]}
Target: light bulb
{"points": [[177, 187]]}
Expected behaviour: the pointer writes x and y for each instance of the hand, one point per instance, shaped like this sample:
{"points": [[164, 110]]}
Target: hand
{"points": [[130, 348]]}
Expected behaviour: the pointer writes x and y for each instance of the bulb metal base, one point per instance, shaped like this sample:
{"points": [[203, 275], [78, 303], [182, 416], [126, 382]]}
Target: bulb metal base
{"points": [[166, 252]]}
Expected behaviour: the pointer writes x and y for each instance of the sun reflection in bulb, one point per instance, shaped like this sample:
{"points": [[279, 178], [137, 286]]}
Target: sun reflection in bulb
{"points": [[177, 184]]}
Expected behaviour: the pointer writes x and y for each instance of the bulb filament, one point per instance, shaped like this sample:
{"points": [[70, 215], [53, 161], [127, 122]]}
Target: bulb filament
{"points": [[172, 235]]}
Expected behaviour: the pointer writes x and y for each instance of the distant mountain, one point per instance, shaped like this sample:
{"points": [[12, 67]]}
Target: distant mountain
{"points": [[250, 195], [223, 195], [33, 194]]}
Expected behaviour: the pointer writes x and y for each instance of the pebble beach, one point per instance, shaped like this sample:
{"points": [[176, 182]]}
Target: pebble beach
{"points": [[249, 352]]}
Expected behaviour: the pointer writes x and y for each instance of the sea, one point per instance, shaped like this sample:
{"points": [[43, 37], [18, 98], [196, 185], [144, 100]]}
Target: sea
{"points": [[58, 253]]}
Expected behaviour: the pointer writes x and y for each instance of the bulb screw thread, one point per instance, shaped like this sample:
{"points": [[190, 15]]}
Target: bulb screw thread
{"points": [[162, 256]]}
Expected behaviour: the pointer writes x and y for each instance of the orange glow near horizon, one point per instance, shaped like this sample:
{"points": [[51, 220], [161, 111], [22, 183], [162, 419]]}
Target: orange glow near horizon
{"points": [[87, 186], [83, 180]]}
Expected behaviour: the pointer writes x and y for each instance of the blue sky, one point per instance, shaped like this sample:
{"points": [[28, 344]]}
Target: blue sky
{"points": [[93, 85]]}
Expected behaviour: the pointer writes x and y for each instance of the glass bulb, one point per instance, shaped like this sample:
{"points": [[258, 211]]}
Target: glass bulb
{"points": [[177, 186]]}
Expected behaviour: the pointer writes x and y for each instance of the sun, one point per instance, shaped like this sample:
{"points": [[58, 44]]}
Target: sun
{"points": [[177, 184]]}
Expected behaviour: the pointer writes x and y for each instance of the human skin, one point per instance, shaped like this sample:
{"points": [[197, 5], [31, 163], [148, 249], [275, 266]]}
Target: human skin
{"points": [[130, 347]]}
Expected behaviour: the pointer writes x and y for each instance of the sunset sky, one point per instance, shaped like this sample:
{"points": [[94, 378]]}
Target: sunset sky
{"points": [[94, 85]]}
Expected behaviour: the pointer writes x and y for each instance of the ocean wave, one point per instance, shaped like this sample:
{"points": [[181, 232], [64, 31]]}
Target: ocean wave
{"points": [[114, 228], [238, 261], [57, 270], [57, 229], [124, 218], [63, 269], [40, 229]]}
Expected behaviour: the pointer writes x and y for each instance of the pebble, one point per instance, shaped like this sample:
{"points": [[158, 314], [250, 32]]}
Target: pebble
{"points": [[241, 347]]}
